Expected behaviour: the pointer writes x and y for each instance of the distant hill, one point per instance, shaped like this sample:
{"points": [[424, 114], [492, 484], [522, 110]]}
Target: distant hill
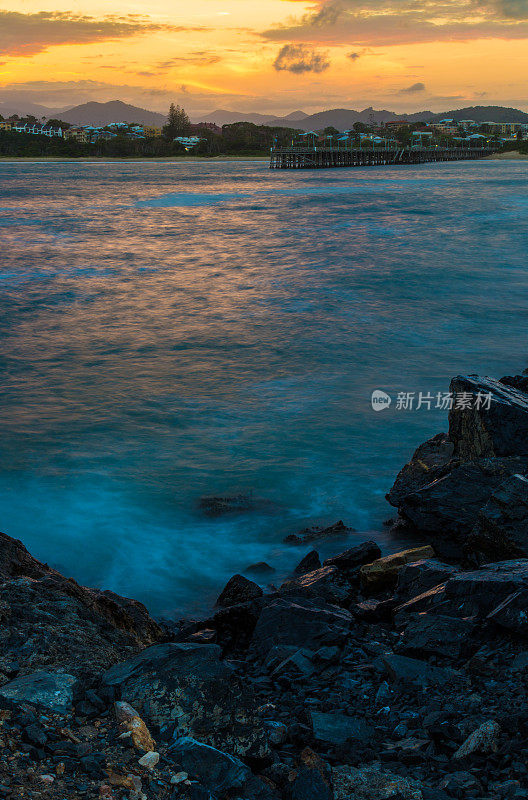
{"points": [[477, 113], [113, 111], [343, 118]]}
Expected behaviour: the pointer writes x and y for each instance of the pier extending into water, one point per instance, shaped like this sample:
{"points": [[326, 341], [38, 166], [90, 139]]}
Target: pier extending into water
{"points": [[324, 157]]}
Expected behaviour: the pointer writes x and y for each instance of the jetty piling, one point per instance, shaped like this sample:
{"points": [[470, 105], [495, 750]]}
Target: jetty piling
{"points": [[326, 157]]}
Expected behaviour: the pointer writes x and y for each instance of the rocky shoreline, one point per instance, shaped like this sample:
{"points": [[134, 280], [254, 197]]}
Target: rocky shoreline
{"points": [[359, 678]]}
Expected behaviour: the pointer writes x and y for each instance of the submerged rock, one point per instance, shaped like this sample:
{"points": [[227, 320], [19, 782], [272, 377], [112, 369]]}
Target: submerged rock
{"points": [[218, 505], [312, 534]]}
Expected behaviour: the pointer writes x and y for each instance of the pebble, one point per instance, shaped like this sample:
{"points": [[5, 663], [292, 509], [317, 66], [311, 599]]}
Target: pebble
{"points": [[149, 760]]}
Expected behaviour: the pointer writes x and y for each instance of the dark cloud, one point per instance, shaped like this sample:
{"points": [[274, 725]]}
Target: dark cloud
{"points": [[28, 34], [392, 22], [354, 56], [413, 89], [299, 58]]}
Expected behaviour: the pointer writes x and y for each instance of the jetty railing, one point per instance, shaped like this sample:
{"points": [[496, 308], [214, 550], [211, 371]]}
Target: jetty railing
{"points": [[328, 156]]}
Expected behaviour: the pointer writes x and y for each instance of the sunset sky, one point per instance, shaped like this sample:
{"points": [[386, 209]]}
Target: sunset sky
{"points": [[275, 56]]}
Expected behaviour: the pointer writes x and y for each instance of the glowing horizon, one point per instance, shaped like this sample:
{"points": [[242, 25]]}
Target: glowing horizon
{"points": [[273, 57]]}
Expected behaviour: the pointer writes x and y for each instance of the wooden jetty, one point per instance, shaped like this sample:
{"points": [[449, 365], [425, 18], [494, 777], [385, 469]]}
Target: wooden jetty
{"points": [[325, 157]]}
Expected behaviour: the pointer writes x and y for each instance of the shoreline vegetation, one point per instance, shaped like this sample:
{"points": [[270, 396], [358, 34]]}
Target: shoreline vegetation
{"points": [[361, 678]]}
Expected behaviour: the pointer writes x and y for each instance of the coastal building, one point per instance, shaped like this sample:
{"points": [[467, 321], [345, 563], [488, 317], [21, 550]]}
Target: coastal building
{"points": [[151, 131], [6, 125], [78, 134]]}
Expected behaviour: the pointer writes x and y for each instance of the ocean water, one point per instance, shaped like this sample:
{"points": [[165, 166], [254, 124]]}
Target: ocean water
{"points": [[169, 331]]}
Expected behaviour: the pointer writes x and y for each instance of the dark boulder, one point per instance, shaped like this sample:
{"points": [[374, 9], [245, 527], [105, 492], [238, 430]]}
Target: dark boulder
{"points": [[501, 530], [189, 685], [310, 562], [326, 582], [481, 429], [317, 532], [53, 623], [338, 729], [402, 669], [437, 635], [420, 576], [430, 461], [51, 691], [478, 592], [512, 613], [519, 382], [297, 621], [350, 560], [234, 625], [312, 779], [448, 508], [218, 772], [238, 590]]}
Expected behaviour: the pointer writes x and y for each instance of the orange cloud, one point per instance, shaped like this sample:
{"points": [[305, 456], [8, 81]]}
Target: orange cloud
{"points": [[28, 34]]}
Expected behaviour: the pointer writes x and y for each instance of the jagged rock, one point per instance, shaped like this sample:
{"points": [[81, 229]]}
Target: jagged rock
{"points": [[238, 590], [383, 573], [478, 592], [48, 690], [483, 740], [300, 622], [217, 771], [430, 461], [433, 600], [481, 432], [337, 729], [131, 723], [309, 563], [448, 508], [519, 382], [353, 558], [315, 533], [312, 779], [501, 530], [296, 666], [373, 783], [412, 670], [512, 613], [234, 625], [437, 635], [188, 684], [420, 576], [326, 582], [50, 621]]}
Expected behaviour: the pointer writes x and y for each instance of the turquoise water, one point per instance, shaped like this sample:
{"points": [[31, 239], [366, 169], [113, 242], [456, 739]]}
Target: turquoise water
{"points": [[174, 330]]}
